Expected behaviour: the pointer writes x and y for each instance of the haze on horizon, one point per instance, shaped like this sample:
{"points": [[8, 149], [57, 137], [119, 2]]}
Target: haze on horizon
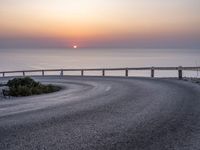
{"points": [[100, 24]]}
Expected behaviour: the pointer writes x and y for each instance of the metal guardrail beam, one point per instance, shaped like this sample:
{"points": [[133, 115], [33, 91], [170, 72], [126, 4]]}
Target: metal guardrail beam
{"points": [[180, 70], [106, 69]]}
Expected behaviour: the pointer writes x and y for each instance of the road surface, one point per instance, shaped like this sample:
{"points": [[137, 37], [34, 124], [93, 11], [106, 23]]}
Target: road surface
{"points": [[104, 113]]}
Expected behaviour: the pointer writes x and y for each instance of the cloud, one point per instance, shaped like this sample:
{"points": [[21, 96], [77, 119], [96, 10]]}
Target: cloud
{"points": [[169, 41]]}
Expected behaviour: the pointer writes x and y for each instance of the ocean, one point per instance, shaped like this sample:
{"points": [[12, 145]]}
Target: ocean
{"points": [[25, 59]]}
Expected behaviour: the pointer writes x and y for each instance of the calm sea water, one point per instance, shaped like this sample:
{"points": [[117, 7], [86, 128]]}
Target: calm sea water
{"points": [[16, 59]]}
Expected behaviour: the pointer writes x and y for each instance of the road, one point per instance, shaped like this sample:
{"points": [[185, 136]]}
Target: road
{"points": [[104, 113]]}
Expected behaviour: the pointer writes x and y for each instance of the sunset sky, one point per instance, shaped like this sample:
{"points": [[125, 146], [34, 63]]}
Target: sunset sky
{"points": [[100, 23]]}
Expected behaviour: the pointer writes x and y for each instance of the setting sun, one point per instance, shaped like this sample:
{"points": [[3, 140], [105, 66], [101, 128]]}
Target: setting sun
{"points": [[75, 46], [100, 24], [100, 74]]}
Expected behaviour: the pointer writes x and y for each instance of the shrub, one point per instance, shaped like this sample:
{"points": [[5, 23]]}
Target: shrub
{"points": [[27, 86]]}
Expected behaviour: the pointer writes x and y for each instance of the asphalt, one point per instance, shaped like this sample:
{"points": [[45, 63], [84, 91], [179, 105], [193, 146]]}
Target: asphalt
{"points": [[104, 113]]}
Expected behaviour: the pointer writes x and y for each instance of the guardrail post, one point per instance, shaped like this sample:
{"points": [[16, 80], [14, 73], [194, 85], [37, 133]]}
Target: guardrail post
{"points": [[152, 72], [42, 72], [23, 73], [103, 72], [82, 72], [180, 72], [126, 72], [61, 73]]}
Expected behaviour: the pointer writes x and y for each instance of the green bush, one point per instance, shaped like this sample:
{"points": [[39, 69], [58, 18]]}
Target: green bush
{"points": [[27, 87]]}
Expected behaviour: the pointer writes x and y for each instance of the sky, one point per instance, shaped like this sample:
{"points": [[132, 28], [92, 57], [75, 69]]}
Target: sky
{"points": [[100, 23]]}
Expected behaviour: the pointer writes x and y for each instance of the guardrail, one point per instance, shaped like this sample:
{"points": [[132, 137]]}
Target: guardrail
{"points": [[152, 70]]}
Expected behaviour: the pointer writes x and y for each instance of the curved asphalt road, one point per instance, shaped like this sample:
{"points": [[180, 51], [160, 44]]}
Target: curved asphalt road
{"points": [[94, 113]]}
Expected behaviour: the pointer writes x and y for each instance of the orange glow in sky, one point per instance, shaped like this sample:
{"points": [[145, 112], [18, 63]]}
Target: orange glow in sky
{"points": [[80, 20]]}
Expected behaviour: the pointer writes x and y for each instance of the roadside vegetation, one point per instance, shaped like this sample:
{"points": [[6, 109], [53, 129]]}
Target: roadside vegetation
{"points": [[27, 86]]}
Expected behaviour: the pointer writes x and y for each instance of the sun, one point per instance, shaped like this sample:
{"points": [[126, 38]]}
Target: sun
{"points": [[75, 46]]}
